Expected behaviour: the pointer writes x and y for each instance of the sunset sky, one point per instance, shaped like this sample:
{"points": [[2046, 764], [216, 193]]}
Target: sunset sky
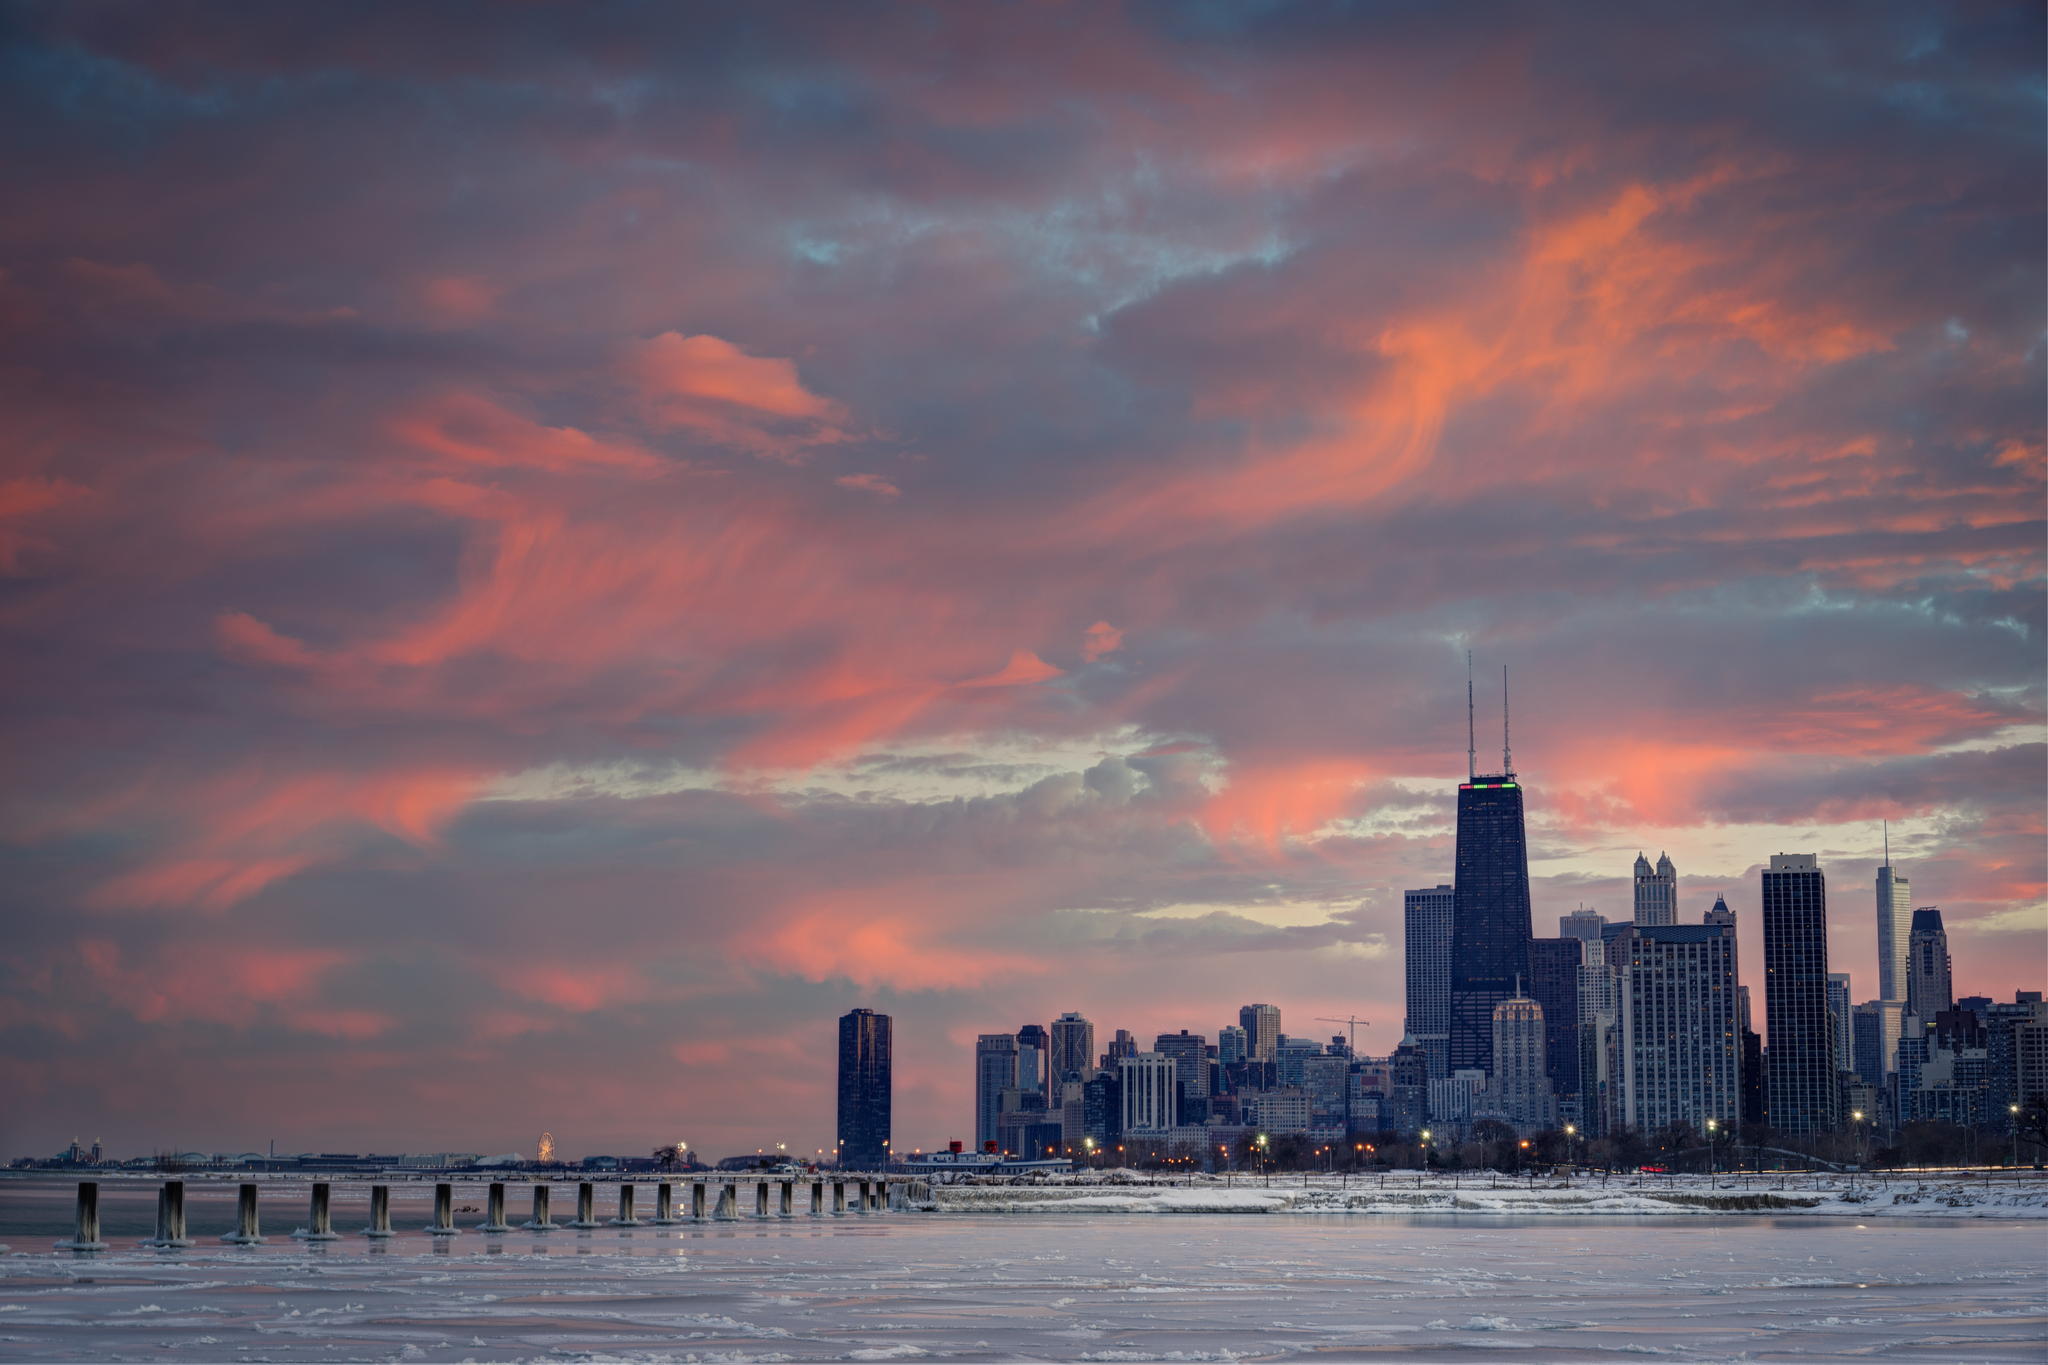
{"points": [[548, 551]]}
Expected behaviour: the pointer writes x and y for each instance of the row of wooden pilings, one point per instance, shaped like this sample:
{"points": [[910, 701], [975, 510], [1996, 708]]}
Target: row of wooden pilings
{"points": [[869, 1195]]}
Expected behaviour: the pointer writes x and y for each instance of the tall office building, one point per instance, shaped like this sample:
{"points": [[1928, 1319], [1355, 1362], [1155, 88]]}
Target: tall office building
{"points": [[1800, 1085], [1233, 1044], [864, 1090], [1426, 942], [1554, 984], [1582, 924], [1190, 1053], [1034, 1057], [1719, 913], [1894, 904], [1841, 1012], [1520, 1084], [1261, 1025], [1123, 1045], [1489, 907], [1656, 891], [995, 1070], [1148, 1093], [1073, 1047], [1681, 1025], [1929, 990]]}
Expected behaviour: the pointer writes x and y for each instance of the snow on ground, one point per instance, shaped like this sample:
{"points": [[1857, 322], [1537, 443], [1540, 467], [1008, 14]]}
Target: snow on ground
{"points": [[1946, 1196]]}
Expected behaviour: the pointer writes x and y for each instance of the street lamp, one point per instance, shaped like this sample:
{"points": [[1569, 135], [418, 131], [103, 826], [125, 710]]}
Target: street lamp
{"points": [[2013, 1126], [1713, 1169]]}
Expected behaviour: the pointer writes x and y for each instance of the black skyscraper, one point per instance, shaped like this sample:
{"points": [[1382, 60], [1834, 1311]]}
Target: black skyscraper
{"points": [[1489, 913], [1489, 895], [863, 1090], [1800, 1081], [1554, 984]]}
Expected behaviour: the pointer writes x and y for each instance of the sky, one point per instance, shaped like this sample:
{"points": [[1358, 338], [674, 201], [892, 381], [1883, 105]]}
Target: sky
{"points": [[548, 551]]}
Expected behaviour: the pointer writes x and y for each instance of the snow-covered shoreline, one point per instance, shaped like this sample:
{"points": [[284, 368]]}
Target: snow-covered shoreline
{"points": [[1863, 1197]]}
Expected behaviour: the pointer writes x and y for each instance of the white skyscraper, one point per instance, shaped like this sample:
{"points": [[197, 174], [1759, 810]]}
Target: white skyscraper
{"points": [[1656, 891], [1894, 915], [1149, 1103]]}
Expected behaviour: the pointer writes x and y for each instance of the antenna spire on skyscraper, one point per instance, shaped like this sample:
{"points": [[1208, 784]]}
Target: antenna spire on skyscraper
{"points": [[1507, 752], [1471, 734], [1887, 842]]}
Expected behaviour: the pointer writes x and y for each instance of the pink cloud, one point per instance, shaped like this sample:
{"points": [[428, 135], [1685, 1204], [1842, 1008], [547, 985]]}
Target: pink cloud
{"points": [[708, 386]]}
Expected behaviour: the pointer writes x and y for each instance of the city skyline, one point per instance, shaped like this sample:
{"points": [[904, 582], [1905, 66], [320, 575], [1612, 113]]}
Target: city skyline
{"points": [[544, 560]]}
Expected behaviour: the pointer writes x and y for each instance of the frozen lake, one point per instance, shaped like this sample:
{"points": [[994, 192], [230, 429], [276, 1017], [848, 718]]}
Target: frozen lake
{"points": [[1097, 1286]]}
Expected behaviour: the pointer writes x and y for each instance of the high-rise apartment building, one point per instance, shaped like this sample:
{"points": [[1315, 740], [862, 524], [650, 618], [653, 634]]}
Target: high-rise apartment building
{"points": [[1656, 891], [1800, 1084], [1894, 905], [864, 1090], [1073, 1047], [1681, 1025], [1426, 944], [1599, 1040], [1929, 989], [1190, 1053], [1149, 1104], [995, 1070], [1582, 924], [1261, 1025], [1490, 913], [1520, 1084]]}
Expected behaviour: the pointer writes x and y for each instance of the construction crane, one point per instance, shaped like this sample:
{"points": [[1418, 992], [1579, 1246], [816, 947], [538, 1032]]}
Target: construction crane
{"points": [[1352, 1020]]}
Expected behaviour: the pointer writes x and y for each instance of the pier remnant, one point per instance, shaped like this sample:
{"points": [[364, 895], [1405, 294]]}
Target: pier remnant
{"points": [[85, 1232], [248, 1231], [494, 1209], [626, 1218], [665, 1204], [444, 1211], [319, 1214], [170, 1216], [586, 1207], [540, 1222], [380, 1212]]}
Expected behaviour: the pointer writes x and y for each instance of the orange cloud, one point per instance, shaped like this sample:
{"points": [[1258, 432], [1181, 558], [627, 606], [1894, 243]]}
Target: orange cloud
{"points": [[472, 429], [580, 990], [1100, 639], [706, 385], [1267, 801], [460, 298], [243, 831]]}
